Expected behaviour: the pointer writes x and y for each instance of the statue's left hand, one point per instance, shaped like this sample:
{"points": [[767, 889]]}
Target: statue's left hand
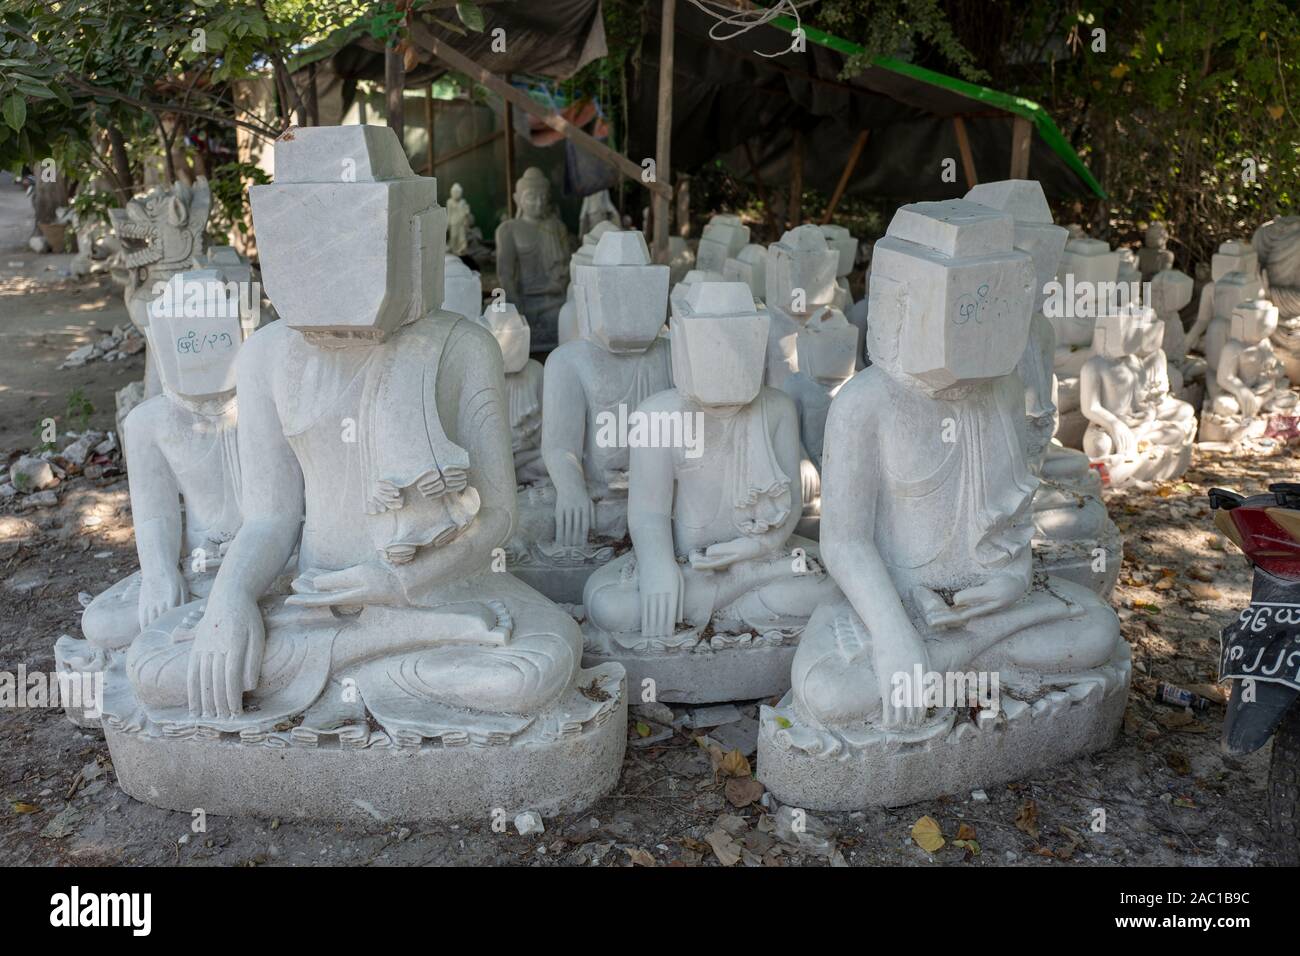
{"points": [[996, 593], [226, 659], [361, 584]]}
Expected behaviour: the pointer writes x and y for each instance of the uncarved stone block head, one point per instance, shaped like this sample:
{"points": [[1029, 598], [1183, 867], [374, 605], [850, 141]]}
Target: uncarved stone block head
{"points": [[1089, 260], [827, 346], [511, 331], [950, 298], [463, 288], [1035, 233], [1233, 256], [351, 241], [845, 246], [622, 298], [587, 248], [750, 267], [723, 237], [1233, 289], [1127, 332], [1171, 290], [800, 273], [719, 344], [195, 334], [1254, 321]]}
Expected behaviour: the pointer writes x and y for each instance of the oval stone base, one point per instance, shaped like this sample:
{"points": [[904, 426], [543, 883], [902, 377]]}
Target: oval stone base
{"points": [[430, 783], [884, 770], [706, 677]]}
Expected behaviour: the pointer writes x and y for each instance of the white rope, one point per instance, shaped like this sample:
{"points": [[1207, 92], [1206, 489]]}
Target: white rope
{"points": [[743, 20]]}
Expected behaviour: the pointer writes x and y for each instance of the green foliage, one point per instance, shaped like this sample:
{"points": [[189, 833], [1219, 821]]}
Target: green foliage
{"points": [[78, 409], [230, 213]]}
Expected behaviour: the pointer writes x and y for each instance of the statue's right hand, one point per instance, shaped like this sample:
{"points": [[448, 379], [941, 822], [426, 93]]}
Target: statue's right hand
{"points": [[226, 657], [1249, 402], [902, 704], [1125, 441], [662, 597], [574, 516], [159, 594]]}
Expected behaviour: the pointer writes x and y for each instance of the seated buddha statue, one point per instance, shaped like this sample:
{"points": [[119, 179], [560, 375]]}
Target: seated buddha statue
{"points": [[1250, 395], [533, 257], [800, 276], [1074, 538], [828, 354], [524, 377], [185, 474], [926, 507], [578, 521], [1137, 431], [711, 599], [374, 441]]}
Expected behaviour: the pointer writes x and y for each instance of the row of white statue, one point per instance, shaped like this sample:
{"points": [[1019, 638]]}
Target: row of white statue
{"points": [[423, 577]]}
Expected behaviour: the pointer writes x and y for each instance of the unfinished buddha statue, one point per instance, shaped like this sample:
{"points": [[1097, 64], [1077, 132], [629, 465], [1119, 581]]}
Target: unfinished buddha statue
{"points": [[1277, 243], [828, 355], [578, 522], [750, 267], [185, 475], [532, 257], [524, 377], [1137, 431], [460, 220], [1234, 278], [800, 277], [935, 560], [1171, 291], [397, 675], [1250, 395], [713, 596], [463, 288], [1074, 538]]}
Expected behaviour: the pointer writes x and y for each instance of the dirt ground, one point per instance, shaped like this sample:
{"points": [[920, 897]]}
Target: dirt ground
{"points": [[1170, 796]]}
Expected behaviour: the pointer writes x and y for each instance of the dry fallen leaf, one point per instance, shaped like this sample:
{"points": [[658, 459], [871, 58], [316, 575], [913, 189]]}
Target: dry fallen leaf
{"points": [[965, 832], [734, 764], [725, 848], [639, 857], [742, 791], [1027, 819], [927, 835], [20, 807]]}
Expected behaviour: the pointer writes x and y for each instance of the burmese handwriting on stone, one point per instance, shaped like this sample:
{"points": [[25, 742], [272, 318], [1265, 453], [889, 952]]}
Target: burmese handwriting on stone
{"points": [[193, 344]]}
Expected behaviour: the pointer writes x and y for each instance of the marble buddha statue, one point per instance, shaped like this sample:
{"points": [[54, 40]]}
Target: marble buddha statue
{"points": [[710, 601], [1234, 278], [1137, 431], [828, 356], [723, 238], [594, 383], [846, 247], [1250, 391], [800, 279], [1171, 291], [1154, 257], [568, 321], [1071, 526], [460, 220], [1277, 243], [396, 675], [462, 288], [1089, 275], [532, 257], [524, 378], [185, 474], [749, 266], [926, 504]]}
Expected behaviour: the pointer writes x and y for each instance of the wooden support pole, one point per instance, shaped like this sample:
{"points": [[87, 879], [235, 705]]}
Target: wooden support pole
{"points": [[849, 165], [510, 154], [963, 144], [1021, 140], [664, 130], [394, 86], [794, 208], [423, 38], [312, 103], [428, 128]]}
